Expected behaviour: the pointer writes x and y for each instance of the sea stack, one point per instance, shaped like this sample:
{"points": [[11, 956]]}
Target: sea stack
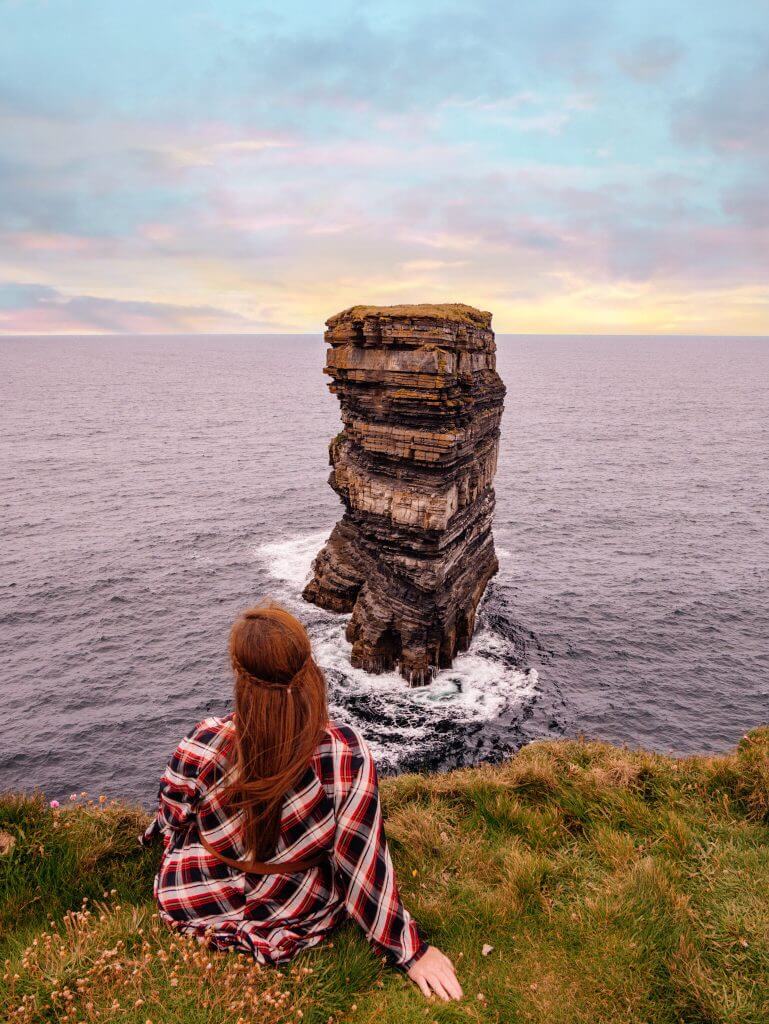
{"points": [[421, 403]]}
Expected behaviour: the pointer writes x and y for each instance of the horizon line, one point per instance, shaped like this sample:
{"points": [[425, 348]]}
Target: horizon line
{"points": [[319, 333]]}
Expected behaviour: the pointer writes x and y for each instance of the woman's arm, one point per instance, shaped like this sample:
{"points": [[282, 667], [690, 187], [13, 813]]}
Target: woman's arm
{"points": [[362, 858], [180, 789]]}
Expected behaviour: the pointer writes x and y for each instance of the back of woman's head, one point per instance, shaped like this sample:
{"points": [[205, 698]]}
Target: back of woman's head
{"points": [[280, 715]]}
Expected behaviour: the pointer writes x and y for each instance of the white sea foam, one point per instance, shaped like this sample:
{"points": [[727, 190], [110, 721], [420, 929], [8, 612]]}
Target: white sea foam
{"points": [[291, 560], [482, 685]]}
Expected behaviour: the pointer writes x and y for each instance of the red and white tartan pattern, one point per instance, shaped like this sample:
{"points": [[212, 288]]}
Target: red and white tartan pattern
{"points": [[334, 809]]}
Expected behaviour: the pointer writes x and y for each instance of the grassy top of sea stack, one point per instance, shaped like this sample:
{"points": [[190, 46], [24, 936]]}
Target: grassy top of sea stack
{"points": [[456, 312], [576, 883]]}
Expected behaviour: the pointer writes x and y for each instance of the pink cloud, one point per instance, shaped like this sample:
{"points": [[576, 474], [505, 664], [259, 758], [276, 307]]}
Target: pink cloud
{"points": [[31, 241]]}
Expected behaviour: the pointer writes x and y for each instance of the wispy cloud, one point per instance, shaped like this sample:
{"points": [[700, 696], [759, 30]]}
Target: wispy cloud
{"points": [[206, 155], [33, 308], [651, 59], [730, 112], [527, 111], [570, 165]]}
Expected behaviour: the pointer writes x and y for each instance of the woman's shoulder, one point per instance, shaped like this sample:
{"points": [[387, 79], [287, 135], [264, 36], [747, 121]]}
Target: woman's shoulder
{"points": [[342, 738], [209, 733], [341, 754], [203, 752]]}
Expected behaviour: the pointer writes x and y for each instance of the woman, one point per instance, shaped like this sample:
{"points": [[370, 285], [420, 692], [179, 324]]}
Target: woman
{"points": [[271, 823]]}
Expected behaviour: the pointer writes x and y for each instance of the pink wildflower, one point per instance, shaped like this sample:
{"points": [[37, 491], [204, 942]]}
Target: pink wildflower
{"points": [[54, 804]]}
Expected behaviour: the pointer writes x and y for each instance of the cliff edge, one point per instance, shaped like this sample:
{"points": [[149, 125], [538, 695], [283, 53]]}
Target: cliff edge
{"points": [[575, 883]]}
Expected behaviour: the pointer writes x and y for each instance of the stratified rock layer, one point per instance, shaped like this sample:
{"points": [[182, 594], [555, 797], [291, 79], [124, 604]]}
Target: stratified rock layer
{"points": [[421, 404]]}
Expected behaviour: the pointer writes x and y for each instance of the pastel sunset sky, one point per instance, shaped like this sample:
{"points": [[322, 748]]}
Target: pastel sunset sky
{"points": [[233, 166]]}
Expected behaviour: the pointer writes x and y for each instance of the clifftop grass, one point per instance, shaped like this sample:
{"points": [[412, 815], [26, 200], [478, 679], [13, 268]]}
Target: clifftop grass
{"points": [[458, 312], [613, 886]]}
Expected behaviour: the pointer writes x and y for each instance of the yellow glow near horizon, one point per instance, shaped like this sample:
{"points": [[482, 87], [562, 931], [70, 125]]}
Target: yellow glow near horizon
{"points": [[211, 295]]}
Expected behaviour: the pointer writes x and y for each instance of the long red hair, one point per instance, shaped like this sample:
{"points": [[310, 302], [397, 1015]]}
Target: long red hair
{"points": [[280, 715]]}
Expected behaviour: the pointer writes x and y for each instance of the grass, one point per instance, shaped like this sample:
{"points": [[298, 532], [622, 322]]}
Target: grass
{"points": [[455, 311], [613, 885]]}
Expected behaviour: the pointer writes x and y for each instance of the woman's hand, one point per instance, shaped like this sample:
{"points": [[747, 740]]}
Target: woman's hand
{"points": [[434, 973]]}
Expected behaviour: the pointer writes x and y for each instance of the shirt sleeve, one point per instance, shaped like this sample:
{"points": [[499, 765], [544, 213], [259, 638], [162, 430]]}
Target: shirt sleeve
{"points": [[180, 790], [362, 859]]}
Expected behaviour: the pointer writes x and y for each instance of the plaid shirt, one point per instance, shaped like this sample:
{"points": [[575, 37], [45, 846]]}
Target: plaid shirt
{"points": [[334, 809]]}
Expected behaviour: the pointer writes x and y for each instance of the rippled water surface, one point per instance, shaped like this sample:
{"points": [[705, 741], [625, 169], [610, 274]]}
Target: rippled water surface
{"points": [[152, 487]]}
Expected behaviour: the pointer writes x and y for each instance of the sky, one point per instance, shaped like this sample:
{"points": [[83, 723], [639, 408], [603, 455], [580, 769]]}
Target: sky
{"points": [[175, 166]]}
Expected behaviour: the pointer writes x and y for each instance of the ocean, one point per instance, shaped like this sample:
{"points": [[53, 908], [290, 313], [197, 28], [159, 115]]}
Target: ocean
{"points": [[152, 487]]}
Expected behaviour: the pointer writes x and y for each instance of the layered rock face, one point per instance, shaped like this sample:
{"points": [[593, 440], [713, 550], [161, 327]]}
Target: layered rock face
{"points": [[421, 403]]}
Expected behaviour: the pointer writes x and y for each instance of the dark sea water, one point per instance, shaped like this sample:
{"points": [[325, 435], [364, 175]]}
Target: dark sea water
{"points": [[153, 487]]}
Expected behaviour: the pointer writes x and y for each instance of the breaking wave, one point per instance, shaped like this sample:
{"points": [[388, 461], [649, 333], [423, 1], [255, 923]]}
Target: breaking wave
{"points": [[473, 711]]}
